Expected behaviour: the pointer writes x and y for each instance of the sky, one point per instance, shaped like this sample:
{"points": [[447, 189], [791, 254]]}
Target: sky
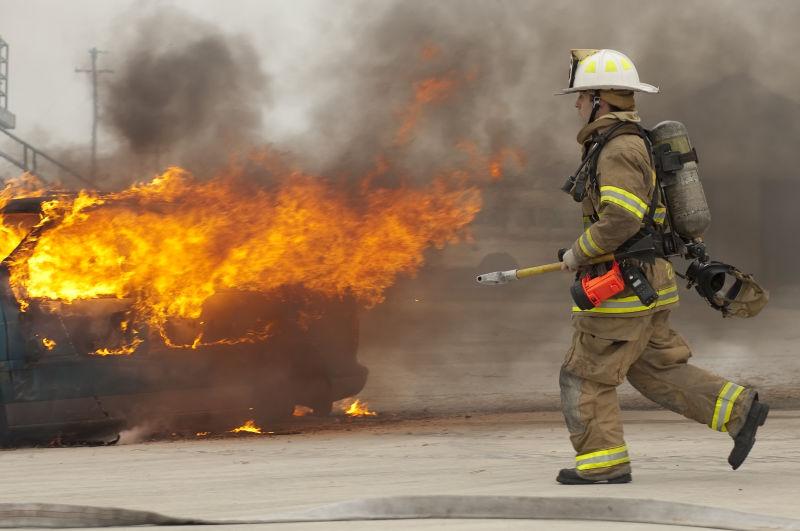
{"points": [[49, 39]]}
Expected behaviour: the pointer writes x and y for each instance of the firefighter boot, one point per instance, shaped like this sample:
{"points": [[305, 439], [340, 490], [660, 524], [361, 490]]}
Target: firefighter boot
{"points": [[746, 437], [569, 476]]}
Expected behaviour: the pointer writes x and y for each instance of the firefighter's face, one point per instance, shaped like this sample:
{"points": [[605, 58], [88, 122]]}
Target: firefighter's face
{"points": [[584, 105]]}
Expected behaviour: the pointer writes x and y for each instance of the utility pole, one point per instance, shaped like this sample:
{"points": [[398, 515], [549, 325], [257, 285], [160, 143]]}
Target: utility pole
{"points": [[94, 52]]}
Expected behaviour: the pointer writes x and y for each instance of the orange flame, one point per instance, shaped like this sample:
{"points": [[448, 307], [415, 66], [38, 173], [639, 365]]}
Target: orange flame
{"points": [[495, 164], [172, 243], [426, 92], [302, 411], [125, 350], [49, 344], [247, 427], [13, 230], [359, 409]]}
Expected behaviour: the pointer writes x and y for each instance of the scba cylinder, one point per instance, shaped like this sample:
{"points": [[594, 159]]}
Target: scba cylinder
{"points": [[684, 193]]}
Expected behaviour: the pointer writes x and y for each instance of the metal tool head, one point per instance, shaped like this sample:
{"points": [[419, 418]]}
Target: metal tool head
{"points": [[497, 277]]}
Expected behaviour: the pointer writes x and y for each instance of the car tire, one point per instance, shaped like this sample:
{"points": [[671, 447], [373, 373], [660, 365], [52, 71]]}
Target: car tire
{"points": [[5, 434]]}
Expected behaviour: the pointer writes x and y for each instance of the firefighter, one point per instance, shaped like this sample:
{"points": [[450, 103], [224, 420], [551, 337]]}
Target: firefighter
{"points": [[622, 337]]}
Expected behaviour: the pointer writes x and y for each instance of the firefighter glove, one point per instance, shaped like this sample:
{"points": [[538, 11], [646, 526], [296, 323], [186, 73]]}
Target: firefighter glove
{"points": [[569, 261]]}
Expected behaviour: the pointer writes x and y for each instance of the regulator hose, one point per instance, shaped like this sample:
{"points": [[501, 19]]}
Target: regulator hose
{"points": [[39, 515]]}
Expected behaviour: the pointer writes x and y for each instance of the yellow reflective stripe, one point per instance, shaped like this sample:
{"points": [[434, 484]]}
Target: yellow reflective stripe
{"points": [[624, 204], [602, 458], [660, 215], [724, 406], [606, 464], [591, 68], [611, 66], [587, 245], [583, 246], [598, 453], [624, 193], [624, 199], [668, 295], [598, 250], [626, 65]]}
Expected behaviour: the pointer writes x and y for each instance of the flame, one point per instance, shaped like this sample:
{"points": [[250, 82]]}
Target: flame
{"points": [[496, 163], [426, 92], [173, 242], [302, 411], [125, 350], [247, 427], [359, 409], [13, 231], [202, 433], [49, 344]]}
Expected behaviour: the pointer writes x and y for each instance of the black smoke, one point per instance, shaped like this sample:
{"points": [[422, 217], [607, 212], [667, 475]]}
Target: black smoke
{"points": [[186, 92]]}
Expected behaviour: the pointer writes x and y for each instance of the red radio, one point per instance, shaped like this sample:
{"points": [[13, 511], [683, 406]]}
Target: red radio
{"points": [[589, 292]]}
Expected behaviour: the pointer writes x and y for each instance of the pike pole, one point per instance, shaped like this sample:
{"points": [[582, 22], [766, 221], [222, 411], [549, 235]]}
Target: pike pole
{"points": [[644, 250], [503, 277]]}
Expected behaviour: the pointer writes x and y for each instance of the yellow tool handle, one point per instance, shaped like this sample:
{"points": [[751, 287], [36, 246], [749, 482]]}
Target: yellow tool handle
{"points": [[538, 270], [549, 268]]}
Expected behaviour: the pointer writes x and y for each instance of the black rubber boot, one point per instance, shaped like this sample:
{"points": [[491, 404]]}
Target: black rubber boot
{"points": [[569, 476], [746, 438]]}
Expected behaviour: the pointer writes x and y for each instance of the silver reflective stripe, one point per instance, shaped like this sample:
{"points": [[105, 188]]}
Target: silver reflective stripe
{"points": [[603, 458], [633, 304], [724, 406], [635, 206], [588, 246]]}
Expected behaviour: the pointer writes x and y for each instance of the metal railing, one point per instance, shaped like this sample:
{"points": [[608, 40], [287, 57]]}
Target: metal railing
{"points": [[31, 157]]}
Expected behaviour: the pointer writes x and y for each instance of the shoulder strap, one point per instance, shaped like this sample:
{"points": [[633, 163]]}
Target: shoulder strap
{"points": [[632, 128], [576, 183], [651, 211]]}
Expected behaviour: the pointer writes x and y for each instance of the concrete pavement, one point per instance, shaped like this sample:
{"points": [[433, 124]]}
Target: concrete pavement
{"points": [[513, 454]]}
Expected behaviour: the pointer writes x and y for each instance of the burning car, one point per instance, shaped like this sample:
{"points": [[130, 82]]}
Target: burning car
{"points": [[200, 301], [85, 369]]}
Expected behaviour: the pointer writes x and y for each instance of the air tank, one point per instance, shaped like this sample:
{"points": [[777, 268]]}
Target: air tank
{"points": [[684, 193]]}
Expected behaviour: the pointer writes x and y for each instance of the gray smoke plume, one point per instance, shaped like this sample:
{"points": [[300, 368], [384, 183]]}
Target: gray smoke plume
{"points": [[186, 93]]}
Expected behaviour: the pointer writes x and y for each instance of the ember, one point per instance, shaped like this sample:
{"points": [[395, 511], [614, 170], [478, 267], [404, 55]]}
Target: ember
{"points": [[124, 350], [302, 411], [49, 344]]}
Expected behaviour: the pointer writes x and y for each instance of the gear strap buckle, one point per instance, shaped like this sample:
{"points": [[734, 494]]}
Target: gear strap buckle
{"points": [[671, 161]]}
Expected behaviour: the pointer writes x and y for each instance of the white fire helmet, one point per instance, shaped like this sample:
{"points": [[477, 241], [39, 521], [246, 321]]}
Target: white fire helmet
{"points": [[603, 70]]}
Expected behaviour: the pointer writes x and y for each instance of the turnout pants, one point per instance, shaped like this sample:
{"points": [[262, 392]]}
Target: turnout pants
{"points": [[654, 358]]}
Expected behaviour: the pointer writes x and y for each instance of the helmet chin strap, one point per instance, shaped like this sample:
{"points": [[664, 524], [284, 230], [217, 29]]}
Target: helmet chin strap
{"points": [[595, 106]]}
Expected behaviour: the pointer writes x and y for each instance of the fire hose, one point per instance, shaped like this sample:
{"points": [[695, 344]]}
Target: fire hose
{"points": [[37, 515]]}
